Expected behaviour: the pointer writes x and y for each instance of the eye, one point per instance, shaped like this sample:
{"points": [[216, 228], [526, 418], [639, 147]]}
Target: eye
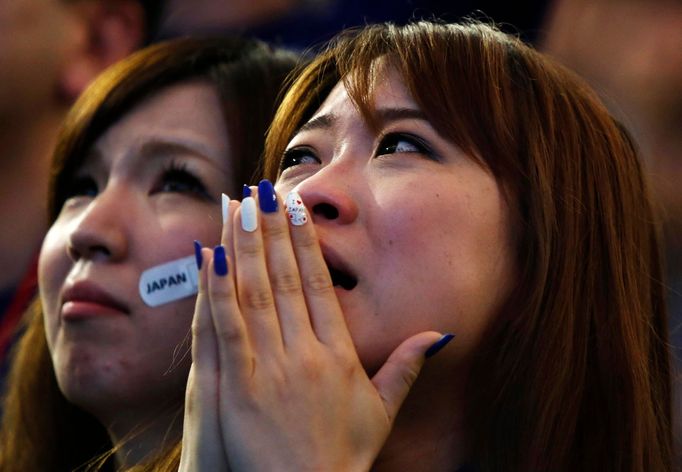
{"points": [[177, 179], [402, 143], [297, 156], [81, 186]]}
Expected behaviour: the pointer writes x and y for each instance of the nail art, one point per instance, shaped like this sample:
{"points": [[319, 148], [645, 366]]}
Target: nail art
{"points": [[219, 261], [249, 215], [296, 209], [226, 203], [197, 254], [438, 345], [266, 196], [246, 191]]}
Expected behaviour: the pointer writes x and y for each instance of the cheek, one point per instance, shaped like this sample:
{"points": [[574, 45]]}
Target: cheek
{"points": [[54, 265], [178, 231]]}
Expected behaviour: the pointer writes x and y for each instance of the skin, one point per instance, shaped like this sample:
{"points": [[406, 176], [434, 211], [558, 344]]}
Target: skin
{"points": [[128, 214], [311, 376]]}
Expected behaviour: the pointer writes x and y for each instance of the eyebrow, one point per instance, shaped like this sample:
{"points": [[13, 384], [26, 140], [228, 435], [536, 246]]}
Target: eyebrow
{"points": [[321, 122], [383, 117], [156, 147]]}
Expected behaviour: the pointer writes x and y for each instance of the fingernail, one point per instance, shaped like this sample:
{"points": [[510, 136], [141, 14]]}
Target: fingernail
{"points": [[266, 196], [226, 203], [249, 215], [197, 254], [219, 261], [438, 345], [246, 191], [296, 209]]}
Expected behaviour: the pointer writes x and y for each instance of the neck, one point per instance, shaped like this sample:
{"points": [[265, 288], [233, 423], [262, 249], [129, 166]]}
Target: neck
{"points": [[137, 437], [429, 432], [25, 154]]}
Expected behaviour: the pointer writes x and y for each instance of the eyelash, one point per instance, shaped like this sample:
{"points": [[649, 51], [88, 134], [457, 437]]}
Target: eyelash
{"points": [[392, 140], [389, 140], [290, 157], [176, 172], [173, 173]]}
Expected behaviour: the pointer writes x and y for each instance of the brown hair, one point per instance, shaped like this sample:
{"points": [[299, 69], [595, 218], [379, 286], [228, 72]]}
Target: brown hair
{"points": [[40, 429], [575, 375]]}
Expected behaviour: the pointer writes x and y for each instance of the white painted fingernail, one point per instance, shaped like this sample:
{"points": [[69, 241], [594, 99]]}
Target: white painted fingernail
{"points": [[226, 204], [249, 215], [296, 209]]}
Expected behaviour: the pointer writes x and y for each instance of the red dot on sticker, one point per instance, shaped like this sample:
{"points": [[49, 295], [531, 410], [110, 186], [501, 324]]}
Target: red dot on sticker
{"points": [[299, 202]]}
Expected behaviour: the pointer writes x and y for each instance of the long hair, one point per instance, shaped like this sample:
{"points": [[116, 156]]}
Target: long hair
{"points": [[574, 375], [41, 430]]}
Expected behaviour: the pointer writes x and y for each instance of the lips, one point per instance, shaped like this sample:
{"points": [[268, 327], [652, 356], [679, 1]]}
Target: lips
{"points": [[83, 299], [341, 275]]}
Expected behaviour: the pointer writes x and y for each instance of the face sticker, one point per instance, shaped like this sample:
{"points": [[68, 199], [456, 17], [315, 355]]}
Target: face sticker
{"points": [[169, 281]]}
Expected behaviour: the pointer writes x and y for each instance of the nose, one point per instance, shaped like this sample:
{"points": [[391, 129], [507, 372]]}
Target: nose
{"points": [[329, 196], [99, 233]]}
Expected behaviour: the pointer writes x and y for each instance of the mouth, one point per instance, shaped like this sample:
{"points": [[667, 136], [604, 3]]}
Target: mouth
{"points": [[341, 276], [85, 295]]}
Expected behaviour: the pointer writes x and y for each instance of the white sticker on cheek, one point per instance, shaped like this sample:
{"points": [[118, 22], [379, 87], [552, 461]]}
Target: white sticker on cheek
{"points": [[170, 281]]}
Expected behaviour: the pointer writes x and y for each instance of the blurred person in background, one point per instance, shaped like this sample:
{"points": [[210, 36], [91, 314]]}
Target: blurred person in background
{"points": [[301, 24], [49, 51]]}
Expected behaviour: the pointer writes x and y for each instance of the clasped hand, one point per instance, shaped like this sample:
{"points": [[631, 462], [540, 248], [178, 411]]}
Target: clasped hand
{"points": [[276, 383]]}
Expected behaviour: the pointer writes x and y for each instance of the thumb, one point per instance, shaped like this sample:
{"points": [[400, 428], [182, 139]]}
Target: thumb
{"points": [[396, 377]]}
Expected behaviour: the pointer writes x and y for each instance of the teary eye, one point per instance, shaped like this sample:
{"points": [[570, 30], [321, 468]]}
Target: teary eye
{"points": [[401, 143], [297, 156]]}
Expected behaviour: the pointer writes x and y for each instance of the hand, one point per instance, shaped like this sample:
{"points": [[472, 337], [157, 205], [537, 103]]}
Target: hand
{"points": [[202, 440], [293, 394]]}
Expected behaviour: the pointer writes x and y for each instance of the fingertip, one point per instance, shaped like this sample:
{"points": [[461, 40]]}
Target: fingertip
{"points": [[220, 261], [436, 347]]}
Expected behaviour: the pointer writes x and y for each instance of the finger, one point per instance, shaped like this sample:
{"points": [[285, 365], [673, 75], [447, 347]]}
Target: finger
{"points": [[204, 342], [229, 207], [324, 310], [282, 268], [253, 284], [396, 377], [234, 349], [202, 435]]}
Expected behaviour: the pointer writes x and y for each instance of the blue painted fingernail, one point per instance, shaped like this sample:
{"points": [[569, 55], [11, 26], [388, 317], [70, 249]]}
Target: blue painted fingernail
{"points": [[438, 345], [266, 196], [246, 191], [219, 261], [197, 254]]}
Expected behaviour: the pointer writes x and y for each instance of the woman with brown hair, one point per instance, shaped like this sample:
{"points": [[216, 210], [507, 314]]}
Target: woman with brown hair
{"points": [[438, 179], [98, 378]]}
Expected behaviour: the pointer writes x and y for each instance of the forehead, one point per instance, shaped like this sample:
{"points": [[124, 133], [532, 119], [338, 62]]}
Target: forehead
{"points": [[188, 113], [387, 89]]}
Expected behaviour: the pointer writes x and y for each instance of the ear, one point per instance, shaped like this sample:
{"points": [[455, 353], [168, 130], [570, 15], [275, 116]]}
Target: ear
{"points": [[111, 30]]}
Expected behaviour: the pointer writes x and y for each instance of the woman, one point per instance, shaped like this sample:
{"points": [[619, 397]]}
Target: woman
{"points": [[99, 376], [439, 179]]}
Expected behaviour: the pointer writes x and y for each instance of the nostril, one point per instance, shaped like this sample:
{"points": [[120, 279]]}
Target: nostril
{"points": [[75, 253], [326, 210]]}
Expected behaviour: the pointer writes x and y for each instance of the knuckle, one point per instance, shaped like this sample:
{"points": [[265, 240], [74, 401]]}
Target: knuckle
{"points": [[407, 373], [285, 282], [257, 299], [251, 248], [307, 240], [311, 366], [229, 333], [276, 231], [221, 296], [318, 282]]}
